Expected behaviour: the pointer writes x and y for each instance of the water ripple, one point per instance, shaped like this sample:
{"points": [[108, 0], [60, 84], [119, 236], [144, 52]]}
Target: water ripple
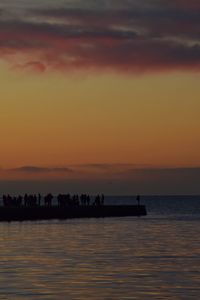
{"points": [[119, 258]]}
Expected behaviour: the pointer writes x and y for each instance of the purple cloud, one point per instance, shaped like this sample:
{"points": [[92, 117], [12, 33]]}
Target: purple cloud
{"points": [[135, 36]]}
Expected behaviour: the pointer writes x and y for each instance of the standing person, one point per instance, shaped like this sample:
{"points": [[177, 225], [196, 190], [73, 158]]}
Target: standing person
{"points": [[25, 200], [39, 199], [102, 199], [88, 200]]}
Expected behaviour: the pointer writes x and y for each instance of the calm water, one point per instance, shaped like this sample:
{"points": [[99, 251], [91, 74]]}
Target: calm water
{"points": [[153, 257]]}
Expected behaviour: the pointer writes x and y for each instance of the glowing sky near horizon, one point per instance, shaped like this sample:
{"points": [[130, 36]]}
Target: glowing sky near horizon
{"points": [[99, 82]]}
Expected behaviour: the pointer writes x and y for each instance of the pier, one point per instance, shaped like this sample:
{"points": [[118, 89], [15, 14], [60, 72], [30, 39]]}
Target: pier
{"points": [[23, 213], [64, 206]]}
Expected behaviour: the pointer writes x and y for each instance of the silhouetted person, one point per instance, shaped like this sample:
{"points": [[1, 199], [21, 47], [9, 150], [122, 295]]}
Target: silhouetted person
{"points": [[48, 200], [102, 199], [88, 200], [39, 199], [19, 200], [82, 198], [4, 200], [73, 201], [59, 199], [35, 200], [77, 200], [97, 200], [25, 200]]}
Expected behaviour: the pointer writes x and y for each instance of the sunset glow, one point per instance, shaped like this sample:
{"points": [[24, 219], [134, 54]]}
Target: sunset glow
{"points": [[79, 93]]}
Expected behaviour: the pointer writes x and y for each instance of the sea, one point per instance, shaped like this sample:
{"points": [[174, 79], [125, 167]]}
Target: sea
{"points": [[152, 257]]}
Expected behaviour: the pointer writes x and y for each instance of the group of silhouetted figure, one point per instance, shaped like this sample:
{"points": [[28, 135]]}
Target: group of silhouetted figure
{"points": [[63, 200], [26, 200]]}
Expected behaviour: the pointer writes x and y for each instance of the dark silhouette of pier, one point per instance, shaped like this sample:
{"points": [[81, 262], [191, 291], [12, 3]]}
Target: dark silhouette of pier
{"points": [[36, 207]]}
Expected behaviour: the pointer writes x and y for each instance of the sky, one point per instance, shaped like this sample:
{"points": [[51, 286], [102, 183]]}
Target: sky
{"points": [[100, 96]]}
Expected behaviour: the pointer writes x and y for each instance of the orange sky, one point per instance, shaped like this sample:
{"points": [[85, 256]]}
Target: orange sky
{"points": [[62, 119], [115, 101]]}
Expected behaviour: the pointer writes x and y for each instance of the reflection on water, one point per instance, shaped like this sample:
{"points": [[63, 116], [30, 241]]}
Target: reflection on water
{"points": [[117, 258]]}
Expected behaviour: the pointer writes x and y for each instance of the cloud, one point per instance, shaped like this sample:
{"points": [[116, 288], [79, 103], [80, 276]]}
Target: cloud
{"points": [[35, 169], [81, 171], [122, 179], [123, 170], [128, 36], [33, 66]]}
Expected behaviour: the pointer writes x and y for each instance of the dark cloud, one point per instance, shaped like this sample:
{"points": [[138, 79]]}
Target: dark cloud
{"points": [[105, 166], [110, 167], [34, 169], [132, 36], [124, 170], [154, 181]]}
